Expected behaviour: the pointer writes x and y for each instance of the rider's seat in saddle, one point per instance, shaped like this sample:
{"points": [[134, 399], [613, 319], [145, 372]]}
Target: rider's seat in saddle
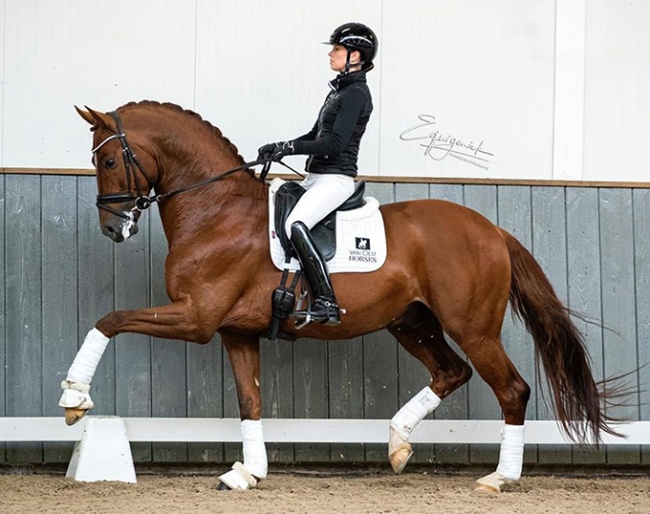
{"points": [[324, 233]]}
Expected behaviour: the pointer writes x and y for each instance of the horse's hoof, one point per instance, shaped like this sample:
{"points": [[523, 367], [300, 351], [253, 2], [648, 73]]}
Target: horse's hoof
{"points": [[72, 415], [486, 488], [494, 483], [399, 457], [223, 487]]}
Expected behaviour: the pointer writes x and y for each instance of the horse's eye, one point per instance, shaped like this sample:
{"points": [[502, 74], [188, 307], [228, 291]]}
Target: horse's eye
{"points": [[109, 163]]}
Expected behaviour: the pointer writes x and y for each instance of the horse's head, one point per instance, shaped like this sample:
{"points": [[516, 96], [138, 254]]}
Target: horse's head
{"points": [[121, 180]]}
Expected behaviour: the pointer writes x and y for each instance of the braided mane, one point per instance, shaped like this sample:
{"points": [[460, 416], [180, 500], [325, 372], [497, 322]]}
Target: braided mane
{"points": [[192, 114]]}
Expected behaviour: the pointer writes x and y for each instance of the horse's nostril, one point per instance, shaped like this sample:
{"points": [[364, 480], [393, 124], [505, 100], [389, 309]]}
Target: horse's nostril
{"points": [[112, 234]]}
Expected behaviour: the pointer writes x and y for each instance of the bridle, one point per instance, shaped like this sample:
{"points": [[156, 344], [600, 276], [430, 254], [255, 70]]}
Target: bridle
{"points": [[131, 162], [141, 201]]}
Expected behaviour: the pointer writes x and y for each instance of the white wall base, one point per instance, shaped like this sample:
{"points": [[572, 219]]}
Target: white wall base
{"points": [[103, 453]]}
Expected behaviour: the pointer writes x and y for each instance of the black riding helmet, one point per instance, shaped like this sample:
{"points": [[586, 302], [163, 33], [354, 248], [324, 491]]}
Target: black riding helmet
{"points": [[356, 36]]}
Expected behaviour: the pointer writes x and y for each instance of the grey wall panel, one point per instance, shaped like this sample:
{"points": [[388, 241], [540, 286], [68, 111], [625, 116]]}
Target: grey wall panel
{"points": [[3, 324], [24, 359], [619, 305], [311, 391], [61, 275], [641, 199], [60, 294]]}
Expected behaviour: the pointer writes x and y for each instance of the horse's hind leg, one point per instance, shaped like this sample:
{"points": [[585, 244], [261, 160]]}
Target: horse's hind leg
{"points": [[420, 333], [244, 355], [512, 392]]}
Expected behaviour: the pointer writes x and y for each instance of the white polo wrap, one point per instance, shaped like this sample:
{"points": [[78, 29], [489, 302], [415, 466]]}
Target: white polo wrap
{"points": [[511, 456], [254, 450], [87, 359], [422, 404]]}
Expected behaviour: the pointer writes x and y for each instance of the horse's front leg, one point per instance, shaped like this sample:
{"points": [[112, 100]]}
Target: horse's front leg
{"points": [[173, 321], [244, 355]]}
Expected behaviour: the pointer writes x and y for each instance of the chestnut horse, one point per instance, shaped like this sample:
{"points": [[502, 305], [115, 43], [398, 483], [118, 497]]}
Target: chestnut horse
{"points": [[448, 270]]}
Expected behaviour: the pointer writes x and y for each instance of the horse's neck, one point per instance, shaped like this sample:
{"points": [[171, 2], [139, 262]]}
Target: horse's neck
{"points": [[234, 205]]}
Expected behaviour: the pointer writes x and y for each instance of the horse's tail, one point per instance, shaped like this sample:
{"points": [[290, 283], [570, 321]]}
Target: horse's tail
{"points": [[578, 399]]}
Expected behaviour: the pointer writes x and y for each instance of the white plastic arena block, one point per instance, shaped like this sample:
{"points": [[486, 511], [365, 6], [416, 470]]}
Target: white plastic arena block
{"points": [[103, 453]]}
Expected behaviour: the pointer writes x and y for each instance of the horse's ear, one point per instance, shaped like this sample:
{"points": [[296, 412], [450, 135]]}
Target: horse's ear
{"points": [[97, 119]]}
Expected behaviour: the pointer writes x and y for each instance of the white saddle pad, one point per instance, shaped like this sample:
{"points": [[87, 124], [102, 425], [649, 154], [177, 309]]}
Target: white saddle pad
{"points": [[360, 238]]}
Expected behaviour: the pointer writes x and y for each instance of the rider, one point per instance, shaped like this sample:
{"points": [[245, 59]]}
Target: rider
{"points": [[332, 146]]}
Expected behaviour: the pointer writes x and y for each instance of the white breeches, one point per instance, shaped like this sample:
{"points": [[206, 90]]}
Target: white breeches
{"points": [[324, 194]]}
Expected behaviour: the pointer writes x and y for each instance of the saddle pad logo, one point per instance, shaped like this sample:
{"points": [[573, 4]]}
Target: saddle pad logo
{"points": [[362, 251], [362, 243]]}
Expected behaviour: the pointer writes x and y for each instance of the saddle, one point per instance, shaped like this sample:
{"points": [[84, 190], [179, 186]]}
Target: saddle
{"points": [[324, 233]]}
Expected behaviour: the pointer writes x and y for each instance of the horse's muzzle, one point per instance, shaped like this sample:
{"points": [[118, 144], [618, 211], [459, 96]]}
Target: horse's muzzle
{"points": [[120, 232]]}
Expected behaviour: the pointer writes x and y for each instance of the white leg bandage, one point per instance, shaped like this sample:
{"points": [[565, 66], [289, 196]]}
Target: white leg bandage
{"points": [[511, 456], [87, 359], [422, 404], [254, 449], [77, 384]]}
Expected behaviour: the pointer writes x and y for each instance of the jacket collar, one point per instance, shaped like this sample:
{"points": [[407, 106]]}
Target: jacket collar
{"points": [[346, 79]]}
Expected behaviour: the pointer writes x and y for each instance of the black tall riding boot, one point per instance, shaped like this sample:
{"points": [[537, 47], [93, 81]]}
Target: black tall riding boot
{"points": [[324, 308]]}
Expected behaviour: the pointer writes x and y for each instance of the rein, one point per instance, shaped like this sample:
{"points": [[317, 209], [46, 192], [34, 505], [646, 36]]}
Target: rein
{"points": [[143, 202]]}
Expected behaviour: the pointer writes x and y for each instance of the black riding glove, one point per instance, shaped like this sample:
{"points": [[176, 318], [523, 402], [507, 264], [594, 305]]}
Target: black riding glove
{"points": [[286, 149], [266, 151]]}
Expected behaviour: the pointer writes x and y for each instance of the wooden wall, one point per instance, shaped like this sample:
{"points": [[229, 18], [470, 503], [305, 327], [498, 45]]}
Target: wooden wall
{"points": [[61, 275]]}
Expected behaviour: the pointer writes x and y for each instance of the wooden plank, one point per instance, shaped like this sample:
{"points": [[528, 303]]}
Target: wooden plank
{"points": [[641, 199], [24, 360], [133, 351], [310, 378], [59, 301], [346, 392], [3, 321], [550, 251], [168, 360], [475, 432], [515, 215], [482, 402], [233, 451], [618, 301], [278, 391], [205, 394], [455, 406], [380, 385]]}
